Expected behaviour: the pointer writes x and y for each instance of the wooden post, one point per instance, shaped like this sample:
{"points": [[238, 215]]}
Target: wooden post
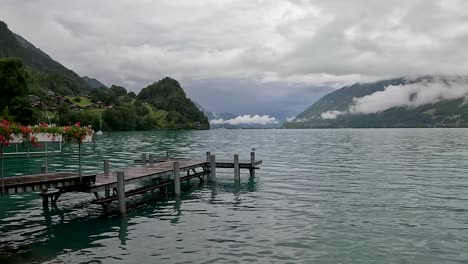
{"points": [[176, 178], [213, 167], [121, 191], [106, 167], [236, 168], [252, 163], [45, 201], [208, 156], [143, 159], [151, 158]]}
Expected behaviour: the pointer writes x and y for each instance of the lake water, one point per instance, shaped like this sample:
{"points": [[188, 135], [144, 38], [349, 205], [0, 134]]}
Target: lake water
{"points": [[321, 196]]}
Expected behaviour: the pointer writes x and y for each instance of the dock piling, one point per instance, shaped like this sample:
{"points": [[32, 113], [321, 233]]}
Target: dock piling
{"points": [[236, 168], [177, 178], [252, 163], [208, 156], [106, 167], [151, 158], [213, 167], [121, 191], [143, 159]]}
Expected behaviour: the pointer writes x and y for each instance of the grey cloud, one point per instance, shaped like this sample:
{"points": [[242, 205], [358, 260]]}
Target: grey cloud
{"points": [[259, 48]]}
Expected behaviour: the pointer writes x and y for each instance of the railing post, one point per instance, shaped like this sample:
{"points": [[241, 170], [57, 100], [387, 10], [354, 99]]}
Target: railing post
{"points": [[151, 158], [236, 168], [213, 167], [177, 178], [121, 191], [143, 159], [106, 167]]}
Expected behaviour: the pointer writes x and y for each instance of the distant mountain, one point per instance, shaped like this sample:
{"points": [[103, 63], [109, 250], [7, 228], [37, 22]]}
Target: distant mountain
{"points": [[214, 115], [429, 101], [92, 82], [45, 72]]}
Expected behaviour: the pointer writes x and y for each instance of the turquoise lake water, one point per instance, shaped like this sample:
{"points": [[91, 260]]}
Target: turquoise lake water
{"points": [[321, 196]]}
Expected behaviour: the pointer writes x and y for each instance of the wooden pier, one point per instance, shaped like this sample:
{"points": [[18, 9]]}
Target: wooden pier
{"points": [[150, 175]]}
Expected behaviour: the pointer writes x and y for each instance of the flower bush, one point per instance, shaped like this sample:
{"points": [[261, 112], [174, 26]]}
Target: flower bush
{"points": [[76, 133], [11, 131], [5, 133]]}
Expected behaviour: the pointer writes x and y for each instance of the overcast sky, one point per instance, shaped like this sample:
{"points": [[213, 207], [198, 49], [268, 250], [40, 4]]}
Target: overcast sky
{"points": [[247, 56]]}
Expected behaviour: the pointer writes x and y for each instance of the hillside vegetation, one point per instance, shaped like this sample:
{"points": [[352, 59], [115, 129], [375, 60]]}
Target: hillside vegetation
{"points": [[452, 112], [35, 88]]}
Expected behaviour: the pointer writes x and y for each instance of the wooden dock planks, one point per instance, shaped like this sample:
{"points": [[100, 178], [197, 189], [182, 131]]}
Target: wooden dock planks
{"points": [[142, 173], [37, 182], [103, 182]]}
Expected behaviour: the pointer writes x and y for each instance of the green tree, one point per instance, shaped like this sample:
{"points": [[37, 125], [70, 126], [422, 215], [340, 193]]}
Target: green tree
{"points": [[12, 80], [118, 90]]}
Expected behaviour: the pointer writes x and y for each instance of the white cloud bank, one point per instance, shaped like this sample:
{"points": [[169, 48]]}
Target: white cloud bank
{"points": [[409, 96], [247, 120], [331, 114]]}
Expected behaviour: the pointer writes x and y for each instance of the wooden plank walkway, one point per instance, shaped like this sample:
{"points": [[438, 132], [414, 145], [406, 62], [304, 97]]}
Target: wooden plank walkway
{"points": [[68, 181], [142, 173], [37, 182]]}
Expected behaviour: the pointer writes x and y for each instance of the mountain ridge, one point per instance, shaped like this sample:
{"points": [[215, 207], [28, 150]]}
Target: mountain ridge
{"points": [[47, 73], [425, 101]]}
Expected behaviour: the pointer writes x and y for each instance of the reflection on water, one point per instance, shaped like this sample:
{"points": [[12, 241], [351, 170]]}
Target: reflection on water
{"points": [[321, 196]]}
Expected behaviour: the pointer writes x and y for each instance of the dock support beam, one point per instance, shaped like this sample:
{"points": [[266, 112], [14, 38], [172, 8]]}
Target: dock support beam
{"points": [[252, 163], [177, 178], [213, 167], [143, 159], [106, 167], [236, 168], [151, 159], [121, 191]]}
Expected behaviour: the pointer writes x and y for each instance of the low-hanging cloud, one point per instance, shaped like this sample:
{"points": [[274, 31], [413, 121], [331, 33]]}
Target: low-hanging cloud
{"points": [[247, 120], [332, 114], [408, 95]]}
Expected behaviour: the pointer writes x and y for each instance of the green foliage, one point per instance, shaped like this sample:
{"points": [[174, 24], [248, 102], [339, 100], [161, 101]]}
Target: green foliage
{"points": [[118, 90], [168, 95], [13, 88], [77, 99], [12, 80]]}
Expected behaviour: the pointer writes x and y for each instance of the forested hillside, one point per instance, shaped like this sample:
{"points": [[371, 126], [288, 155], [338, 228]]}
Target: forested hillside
{"points": [[35, 88]]}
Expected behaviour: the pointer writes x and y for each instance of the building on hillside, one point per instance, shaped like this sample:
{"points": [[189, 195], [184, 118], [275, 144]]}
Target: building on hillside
{"points": [[75, 107]]}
